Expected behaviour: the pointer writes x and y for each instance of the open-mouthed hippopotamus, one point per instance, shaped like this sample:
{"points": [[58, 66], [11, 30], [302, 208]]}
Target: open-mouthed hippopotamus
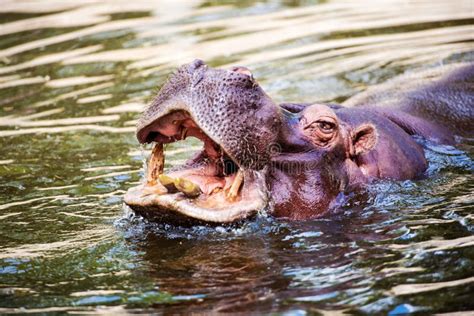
{"points": [[293, 160]]}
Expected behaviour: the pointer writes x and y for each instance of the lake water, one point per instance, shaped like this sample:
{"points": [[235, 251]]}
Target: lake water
{"points": [[74, 76]]}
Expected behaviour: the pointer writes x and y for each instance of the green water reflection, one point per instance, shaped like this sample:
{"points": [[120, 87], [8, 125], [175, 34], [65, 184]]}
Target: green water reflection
{"points": [[73, 78]]}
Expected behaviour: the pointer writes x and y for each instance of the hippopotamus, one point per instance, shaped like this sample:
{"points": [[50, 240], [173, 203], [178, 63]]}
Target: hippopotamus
{"points": [[291, 160]]}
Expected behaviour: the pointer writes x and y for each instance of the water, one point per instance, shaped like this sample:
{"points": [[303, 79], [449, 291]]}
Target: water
{"points": [[73, 77]]}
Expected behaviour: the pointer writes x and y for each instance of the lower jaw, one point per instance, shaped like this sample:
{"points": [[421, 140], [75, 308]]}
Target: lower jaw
{"points": [[175, 198], [176, 208]]}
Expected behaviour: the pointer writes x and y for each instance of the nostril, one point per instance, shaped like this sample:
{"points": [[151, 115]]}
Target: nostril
{"points": [[242, 70], [196, 64]]}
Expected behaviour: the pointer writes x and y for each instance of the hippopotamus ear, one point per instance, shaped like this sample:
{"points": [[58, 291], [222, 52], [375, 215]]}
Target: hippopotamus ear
{"points": [[364, 139]]}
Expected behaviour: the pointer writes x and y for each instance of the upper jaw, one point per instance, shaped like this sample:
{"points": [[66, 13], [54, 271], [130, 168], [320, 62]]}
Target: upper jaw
{"points": [[149, 119]]}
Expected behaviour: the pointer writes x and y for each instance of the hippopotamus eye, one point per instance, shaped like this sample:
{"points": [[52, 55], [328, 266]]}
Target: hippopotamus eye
{"points": [[326, 126]]}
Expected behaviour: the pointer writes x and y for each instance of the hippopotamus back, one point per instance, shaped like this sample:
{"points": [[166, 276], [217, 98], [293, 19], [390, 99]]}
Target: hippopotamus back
{"points": [[442, 95]]}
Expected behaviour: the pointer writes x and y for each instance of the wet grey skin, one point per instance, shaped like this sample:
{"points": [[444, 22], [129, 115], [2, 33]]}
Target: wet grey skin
{"points": [[292, 160]]}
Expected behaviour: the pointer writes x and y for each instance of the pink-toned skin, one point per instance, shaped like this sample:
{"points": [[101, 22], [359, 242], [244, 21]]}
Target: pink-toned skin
{"points": [[311, 153]]}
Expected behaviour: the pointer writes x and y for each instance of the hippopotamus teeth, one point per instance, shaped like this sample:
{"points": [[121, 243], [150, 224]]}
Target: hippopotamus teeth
{"points": [[187, 187], [167, 182], [156, 164], [236, 185]]}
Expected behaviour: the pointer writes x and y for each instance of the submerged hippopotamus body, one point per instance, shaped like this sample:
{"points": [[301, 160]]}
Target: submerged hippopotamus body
{"points": [[293, 160]]}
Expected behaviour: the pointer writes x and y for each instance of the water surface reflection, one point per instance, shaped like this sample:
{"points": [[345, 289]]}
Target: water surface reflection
{"points": [[73, 77]]}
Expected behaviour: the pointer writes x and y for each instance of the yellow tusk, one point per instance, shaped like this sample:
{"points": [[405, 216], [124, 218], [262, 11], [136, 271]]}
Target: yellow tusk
{"points": [[167, 182], [236, 184], [189, 188], [155, 164], [183, 132]]}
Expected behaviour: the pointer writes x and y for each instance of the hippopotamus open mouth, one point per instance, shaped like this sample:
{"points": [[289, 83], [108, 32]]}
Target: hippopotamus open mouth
{"points": [[297, 158], [221, 183]]}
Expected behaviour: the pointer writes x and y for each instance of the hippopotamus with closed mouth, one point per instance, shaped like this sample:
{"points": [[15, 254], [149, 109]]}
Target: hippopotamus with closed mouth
{"points": [[294, 160]]}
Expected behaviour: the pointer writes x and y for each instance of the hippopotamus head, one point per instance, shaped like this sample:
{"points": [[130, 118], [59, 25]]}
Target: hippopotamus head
{"points": [[256, 154]]}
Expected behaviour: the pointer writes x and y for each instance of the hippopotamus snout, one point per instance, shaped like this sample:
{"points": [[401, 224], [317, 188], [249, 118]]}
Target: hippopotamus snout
{"points": [[238, 125], [227, 105]]}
